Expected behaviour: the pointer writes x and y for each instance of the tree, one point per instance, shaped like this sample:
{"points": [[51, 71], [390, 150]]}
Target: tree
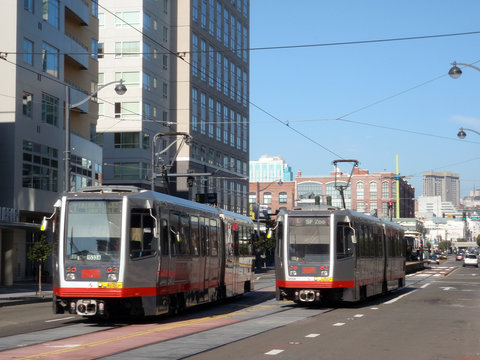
{"points": [[39, 253], [444, 245], [478, 240]]}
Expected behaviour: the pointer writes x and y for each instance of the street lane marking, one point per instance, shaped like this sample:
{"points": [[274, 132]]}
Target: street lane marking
{"points": [[53, 320], [312, 335], [358, 315], [274, 352], [338, 324], [399, 297], [424, 285]]}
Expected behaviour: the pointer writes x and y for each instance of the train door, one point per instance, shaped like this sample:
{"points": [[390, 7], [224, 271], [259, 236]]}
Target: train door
{"points": [[204, 237], [229, 260], [345, 261], [142, 257], [164, 271]]}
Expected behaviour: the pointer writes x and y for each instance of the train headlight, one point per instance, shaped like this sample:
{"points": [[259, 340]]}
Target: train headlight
{"points": [[70, 276], [112, 277], [293, 273], [324, 273]]}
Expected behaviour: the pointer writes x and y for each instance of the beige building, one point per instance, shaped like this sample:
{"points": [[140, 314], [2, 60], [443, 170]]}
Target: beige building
{"points": [[186, 68], [48, 46], [444, 184]]}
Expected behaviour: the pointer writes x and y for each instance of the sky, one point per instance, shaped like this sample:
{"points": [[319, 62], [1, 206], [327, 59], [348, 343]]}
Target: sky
{"points": [[366, 101]]}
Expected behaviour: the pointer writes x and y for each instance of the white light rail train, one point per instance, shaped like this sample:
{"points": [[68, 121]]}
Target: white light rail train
{"points": [[122, 250], [336, 255]]}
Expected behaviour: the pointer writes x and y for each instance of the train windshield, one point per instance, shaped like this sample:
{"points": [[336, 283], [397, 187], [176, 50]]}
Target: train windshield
{"points": [[93, 230], [309, 238]]}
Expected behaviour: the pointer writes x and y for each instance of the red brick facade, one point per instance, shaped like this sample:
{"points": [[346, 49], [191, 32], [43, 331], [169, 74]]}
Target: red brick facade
{"points": [[366, 193]]}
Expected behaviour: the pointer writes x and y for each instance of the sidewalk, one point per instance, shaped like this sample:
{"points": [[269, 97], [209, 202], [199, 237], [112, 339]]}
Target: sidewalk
{"points": [[24, 293]]}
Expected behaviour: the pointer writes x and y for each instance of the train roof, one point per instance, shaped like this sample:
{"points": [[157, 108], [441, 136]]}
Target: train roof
{"points": [[234, 216], [324, 210]]}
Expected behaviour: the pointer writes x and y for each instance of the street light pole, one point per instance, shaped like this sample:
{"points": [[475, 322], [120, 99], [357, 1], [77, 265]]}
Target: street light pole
{"points": [[120, 89]]}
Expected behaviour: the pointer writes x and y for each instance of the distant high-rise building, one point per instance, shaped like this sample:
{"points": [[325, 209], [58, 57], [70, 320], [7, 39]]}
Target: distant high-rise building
{"points": [[186, 66], [444, 184], [270, 168]]}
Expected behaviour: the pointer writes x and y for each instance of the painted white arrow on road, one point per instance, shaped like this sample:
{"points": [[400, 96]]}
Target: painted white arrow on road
{"points": [[446, 288]]}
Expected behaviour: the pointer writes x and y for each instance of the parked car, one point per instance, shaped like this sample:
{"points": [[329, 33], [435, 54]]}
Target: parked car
{"points": [[470, 260], [459, 257], [433, 259]]}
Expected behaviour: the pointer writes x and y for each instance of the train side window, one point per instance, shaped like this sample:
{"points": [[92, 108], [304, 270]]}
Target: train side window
{"points": [[194, 235], [279, 236], [184, 240], [344, 241], [235, 235], [174, 233], [213, 242], [204, 236], [141, 233], [164, 237]]}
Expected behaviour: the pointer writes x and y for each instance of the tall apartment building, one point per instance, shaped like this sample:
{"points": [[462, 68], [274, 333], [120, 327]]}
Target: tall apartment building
{"points": [[47, 46], [270, 168], [444, 184], [192, 78]]}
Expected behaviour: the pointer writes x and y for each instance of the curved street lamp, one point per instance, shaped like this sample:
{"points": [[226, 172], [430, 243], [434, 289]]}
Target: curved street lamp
{"points": [[120, 89], [455, 72], [462, 134]]}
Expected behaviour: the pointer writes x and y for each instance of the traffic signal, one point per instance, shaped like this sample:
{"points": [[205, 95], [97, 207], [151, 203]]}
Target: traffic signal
{"points": [[390, 204], [443, 215], [464, 216]]}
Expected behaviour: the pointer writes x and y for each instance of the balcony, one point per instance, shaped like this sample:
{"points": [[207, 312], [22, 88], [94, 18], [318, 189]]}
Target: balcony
{"points": [[76, 51], [77, 95], [79, 10]]}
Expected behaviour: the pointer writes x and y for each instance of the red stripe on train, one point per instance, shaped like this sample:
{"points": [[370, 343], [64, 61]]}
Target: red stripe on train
{"points": [[316, 284], [128, 292]]}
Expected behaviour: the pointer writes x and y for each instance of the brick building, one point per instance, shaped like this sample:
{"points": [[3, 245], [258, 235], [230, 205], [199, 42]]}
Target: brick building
{"points": [[367, 193]]}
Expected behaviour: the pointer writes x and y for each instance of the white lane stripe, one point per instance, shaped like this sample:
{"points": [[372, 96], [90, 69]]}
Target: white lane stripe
{"points": [[338, 324], [312, 335], [53, 320], [399, 297], [274, 352], [424, 286], [358, 315]]}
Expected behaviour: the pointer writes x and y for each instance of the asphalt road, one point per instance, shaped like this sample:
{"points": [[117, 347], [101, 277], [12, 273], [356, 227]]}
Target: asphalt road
{"points": [[434, 317]]}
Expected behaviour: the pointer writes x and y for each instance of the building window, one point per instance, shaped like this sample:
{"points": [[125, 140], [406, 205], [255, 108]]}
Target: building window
{"points": [[385, 192], [27, 104], [165, 62], [131, 79], [100, 50], [360, 191], [94, 51], [94, 9], [308, 190], [394, 189], [28, 51], [267, 198], [51, 12], [49, 110], [165, 90], [282, 198], [40, 167], [252, 198], [127, 140], [101, 20], [361, 206], [28, 5], [165, 34], [373, 190], [130, 171], [373, 208], [127, 19], [127, 110], [127, 49], [50, 59]]}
